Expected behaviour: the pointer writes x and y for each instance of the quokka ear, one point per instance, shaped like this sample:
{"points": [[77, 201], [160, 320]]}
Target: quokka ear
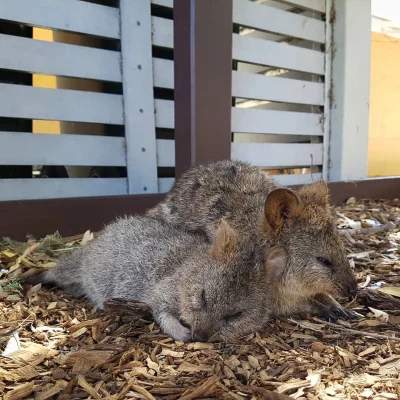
{"points": [[225, 242], [275, 262], [281, 206]]}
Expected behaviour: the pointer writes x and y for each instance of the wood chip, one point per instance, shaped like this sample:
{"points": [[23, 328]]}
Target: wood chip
{"points": [[19, 392]]}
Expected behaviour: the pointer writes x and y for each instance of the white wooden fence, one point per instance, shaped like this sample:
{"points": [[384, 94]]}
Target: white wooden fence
{"points": [[281, 86], [138, 151], [280, 95]]}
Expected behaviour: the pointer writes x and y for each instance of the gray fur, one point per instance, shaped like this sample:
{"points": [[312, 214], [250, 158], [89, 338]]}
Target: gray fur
{"points": [[238, 192], [144, 259]]}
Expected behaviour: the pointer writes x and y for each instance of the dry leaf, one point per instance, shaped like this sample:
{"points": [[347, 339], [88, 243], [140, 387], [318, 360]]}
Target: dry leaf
{"points": [[87, 237], [381, 315], [175, 354], [20, 391], [392, 290], [187, 367], [13, 344]]}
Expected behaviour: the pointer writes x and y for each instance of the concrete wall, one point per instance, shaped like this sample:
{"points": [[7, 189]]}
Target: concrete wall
{"points": [[384, 121]]}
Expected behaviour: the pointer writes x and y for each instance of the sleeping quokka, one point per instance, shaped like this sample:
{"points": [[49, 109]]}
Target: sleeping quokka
{"points": [[310, 259], [197, 290]]}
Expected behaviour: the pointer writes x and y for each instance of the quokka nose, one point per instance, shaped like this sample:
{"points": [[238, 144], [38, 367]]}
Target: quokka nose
{"points": [[200, 336]]}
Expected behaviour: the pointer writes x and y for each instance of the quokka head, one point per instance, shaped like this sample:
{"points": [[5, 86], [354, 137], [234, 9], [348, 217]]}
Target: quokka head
{"points": [[310, 257], [224, 298]]}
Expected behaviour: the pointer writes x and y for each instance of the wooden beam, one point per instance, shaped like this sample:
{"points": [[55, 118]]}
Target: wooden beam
{"points": [[76, 215], [68, 216], [203, 81]]}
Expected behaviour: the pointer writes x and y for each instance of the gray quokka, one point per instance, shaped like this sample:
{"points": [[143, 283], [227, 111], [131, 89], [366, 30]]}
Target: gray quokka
{"points": [[196, 290], [310, 259]]}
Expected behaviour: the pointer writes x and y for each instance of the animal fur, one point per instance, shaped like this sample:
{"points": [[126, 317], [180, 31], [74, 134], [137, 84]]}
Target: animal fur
{"points": [[197, 291], [311, 264]]}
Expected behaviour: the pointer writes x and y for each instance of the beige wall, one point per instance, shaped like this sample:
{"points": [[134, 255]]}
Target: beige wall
{"points": [[384, 122]]}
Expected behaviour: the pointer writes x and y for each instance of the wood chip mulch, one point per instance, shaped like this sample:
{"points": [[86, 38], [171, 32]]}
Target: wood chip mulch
{"points": [[55, 347]]}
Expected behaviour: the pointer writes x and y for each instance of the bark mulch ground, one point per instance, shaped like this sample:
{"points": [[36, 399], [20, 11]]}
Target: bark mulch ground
{"points": [[55, 347]]}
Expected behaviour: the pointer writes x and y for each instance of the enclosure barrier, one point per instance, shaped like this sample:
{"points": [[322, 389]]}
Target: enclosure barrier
{"points": [[177, 84]]}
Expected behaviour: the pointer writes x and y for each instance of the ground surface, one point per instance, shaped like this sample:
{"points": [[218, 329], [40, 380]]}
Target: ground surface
{"points": [[55, 347]]}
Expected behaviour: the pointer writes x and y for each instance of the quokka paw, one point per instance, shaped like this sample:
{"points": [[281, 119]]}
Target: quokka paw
{"points": [[336, 313]]}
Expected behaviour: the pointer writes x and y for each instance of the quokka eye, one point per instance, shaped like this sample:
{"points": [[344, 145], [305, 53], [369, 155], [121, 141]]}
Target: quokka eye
{"points": [[324, 262], [233, 316], [184, 323], [203, 299]]}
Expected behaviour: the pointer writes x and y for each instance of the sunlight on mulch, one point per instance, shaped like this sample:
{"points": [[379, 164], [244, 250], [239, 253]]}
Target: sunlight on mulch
{"points": [[55, 347]]}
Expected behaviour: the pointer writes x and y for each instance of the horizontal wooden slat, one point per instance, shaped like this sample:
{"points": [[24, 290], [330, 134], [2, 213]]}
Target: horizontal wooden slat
{"points": [[270, 19], [297, 179], [313, 5], [51, 58], [164, 3], [278, 154], [272, 88], [18, 148], [258, 154], [247, 120], [74, 16], [165, 153], [163, 32], [165, 113], [253, 86], [18, 101], [264, 52], [53, 188], [165, 184], [163, 73]]}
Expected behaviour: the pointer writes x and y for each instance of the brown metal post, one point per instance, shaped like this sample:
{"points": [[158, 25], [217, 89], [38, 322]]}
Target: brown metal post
{"points": [[203, 81]]}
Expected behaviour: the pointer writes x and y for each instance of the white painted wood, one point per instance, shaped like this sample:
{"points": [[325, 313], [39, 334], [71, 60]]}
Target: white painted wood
{"points": [[165, 113], [137, 71], [260, 87], [165, 153], [272, 3], [163, 32], [254, 86], [270, 19], [66, 15], [165, 184], [278, 154], [55, 188], [247, 120], [51, 58], [17, 101], [19, 148], [313, 5], [164, 3], [163, 73], [264, 52], [297, 179], [348, 152]]}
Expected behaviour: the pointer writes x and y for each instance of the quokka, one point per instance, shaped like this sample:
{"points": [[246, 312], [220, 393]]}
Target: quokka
{"points": [[298, 226]]}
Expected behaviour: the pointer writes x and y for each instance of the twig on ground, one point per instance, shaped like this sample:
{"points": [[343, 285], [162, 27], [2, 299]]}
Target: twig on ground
{"points": [[365, 231], [356, 332]]}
